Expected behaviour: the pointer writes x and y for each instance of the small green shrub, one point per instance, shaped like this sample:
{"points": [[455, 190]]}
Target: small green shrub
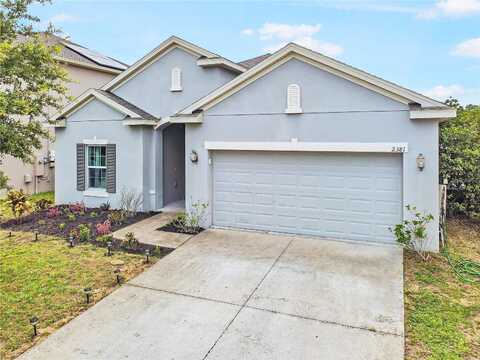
{"points": [[93, 214], [190, 222], [412, 234], [117, 217], [104, 238], [71, 217], [62, 226], [84, 232], [130, 240]]}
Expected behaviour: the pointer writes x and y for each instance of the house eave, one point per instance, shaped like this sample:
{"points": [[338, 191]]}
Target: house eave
{"points": [[433, 113], [220, 62], [139, 122]]}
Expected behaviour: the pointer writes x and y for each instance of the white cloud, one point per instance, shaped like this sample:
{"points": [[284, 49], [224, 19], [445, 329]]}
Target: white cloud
{"points": [[62, 18], [469, 48], [287, 32], [248, 32], [326, 48], [443, 92], [450, 8], [278, 35]]}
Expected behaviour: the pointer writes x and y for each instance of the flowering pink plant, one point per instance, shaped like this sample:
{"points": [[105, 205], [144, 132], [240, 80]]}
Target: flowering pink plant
{"points": [[77, 207], [103, 228], [53, 212]]}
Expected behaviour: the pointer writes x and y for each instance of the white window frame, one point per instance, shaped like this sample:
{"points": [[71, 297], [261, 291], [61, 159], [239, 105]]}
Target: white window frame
{"points": [[294, 100], [176, 79], [88, 167]]}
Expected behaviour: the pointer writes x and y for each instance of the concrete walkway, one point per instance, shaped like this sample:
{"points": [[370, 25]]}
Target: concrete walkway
{"points": [[244, 295], [146, 231]]}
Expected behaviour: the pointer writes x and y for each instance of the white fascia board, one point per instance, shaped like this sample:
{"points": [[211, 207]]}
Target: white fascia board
{"points": [[139, 122], [58, 124], [333, 66], [159, 51], [193, 119], [433, 114], [88, 96], [307, 146], [222, 62], [88, 66]]}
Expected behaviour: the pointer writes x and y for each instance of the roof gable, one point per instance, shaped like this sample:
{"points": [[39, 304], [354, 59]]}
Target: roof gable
{"points": [[112, 100], [205, 58], [294, 51]]}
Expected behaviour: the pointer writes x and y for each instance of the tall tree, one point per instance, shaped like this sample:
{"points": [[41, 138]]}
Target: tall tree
{"points": [[32, 82]]}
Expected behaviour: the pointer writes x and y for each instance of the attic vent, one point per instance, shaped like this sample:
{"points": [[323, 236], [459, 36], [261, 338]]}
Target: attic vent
{"points": [[293, 99], [176, 79]]}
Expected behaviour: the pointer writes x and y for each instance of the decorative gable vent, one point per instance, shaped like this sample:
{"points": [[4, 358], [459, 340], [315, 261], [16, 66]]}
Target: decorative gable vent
{"points": [[293, 99], [176, 79]]}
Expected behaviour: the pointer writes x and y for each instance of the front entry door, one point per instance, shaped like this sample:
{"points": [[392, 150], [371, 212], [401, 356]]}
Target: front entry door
{"points": [[173, 163]]}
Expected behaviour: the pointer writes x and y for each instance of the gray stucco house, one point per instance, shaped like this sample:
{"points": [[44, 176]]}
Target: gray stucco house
{"points": [[292, 142]]}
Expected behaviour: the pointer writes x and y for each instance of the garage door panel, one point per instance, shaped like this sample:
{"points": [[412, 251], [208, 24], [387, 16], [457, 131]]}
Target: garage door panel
{"points": [[352, 196]]}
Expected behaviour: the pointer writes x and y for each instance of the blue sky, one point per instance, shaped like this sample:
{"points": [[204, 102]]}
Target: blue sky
{"points": [[432, 46]]}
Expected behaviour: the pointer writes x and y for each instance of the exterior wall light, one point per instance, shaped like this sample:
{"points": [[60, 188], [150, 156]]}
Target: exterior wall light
{"points": [[194, 157], [420, 162]]}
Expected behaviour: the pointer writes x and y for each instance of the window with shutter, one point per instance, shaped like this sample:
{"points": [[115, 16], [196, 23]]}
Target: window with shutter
{"points": [[176, 79], [293, 99]]}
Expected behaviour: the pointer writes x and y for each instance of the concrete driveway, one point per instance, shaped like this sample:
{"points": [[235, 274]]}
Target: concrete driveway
{"points": [[244, 295]]}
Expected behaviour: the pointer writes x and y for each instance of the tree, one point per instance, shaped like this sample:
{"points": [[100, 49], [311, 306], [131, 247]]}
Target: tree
{"points": [[460, 159], [31, 80]]}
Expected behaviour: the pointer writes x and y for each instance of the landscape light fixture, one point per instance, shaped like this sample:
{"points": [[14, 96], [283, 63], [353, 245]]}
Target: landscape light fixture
{"points": [[10, 234], [109, 248], [71, 241], [117, 275], [36, 235], [34, 322], [88, 293], [147, 254]]}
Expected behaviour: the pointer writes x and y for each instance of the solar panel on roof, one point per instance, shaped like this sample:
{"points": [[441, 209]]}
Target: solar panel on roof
{"points": [[96, 57]]}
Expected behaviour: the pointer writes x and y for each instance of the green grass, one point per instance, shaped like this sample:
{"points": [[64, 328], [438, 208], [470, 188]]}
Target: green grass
{"points": [[442, 311], [46, 279]]}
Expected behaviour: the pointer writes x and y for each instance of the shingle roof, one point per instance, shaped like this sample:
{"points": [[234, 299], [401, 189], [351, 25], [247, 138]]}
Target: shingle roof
{"points": [[144, 115], [80, 54], [249, 63]]}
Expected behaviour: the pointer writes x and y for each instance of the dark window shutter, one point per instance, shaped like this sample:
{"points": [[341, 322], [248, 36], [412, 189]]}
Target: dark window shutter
{"points": [[81, 167], [111, 168]]}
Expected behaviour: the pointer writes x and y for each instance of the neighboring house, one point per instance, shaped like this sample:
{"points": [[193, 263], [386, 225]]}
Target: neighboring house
{"points": [[294, 142], [86, 69]]}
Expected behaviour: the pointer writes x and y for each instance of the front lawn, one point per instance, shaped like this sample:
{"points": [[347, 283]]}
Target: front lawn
{"points": [[46, 279], [442, 311]]}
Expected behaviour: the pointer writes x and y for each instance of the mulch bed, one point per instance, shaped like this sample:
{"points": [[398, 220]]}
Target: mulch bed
{"points": [[38, 221], [170, 227]]}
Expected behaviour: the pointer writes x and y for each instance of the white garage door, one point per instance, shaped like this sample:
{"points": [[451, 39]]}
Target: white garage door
{"points": [[334, 195]]}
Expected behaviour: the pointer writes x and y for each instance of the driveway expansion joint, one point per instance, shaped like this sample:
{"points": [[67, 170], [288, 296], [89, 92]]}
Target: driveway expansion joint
{"points": [[248, 299], [379, 332]]}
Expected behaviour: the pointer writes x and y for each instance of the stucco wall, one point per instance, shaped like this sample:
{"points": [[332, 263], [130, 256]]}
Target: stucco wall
{"points": [[99, 121], [81, 80], [335, 110], [150, 89]]}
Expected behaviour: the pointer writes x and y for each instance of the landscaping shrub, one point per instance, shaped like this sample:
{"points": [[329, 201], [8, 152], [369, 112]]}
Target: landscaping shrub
{"points": [[189, 222], [71, 217], [93, 214], [83, 232], [105, 206], [130, 201], [130, 240], [103, 228], [77, 208], [18, 203], [104, 238], [460, 160], [116, 217], [62, 226], [43, 204], [412, 234], [54, 212]]}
